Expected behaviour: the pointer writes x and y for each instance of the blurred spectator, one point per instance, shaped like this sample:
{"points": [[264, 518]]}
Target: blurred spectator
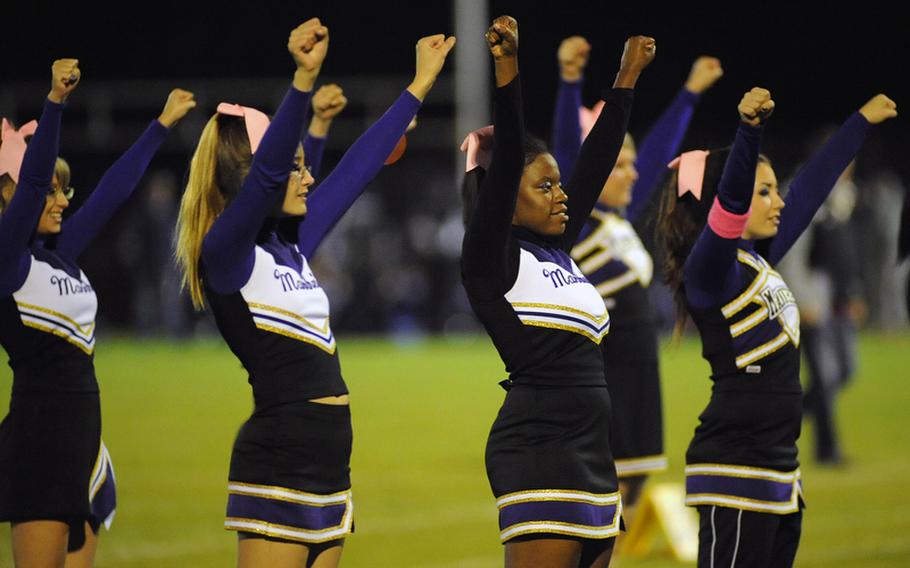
{"points": [[877, 221], [823, 272]]}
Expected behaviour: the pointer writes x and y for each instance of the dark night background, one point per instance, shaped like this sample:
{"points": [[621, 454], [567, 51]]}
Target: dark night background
{"points": [[820, 63]]}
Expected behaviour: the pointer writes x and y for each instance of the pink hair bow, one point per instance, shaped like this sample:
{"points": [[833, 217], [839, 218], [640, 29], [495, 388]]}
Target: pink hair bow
{"points": [[587, 117], [12, 149], [478, 147], [256, 121], [691, 166]]}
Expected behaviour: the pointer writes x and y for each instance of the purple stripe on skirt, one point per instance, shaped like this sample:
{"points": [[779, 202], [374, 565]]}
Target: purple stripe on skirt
{"points": [[760, 489], [587, 514], [105, 500], [298, 515]]}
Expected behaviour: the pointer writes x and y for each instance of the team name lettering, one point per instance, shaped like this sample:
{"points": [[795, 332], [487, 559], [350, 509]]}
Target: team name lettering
{"points": [[290, 281], [66, 286], [777, 299], [560, 278]]}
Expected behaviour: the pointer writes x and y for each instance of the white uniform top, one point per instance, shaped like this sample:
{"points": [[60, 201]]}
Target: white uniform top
{"points": [[547, 294], [290, 303], [52, 301]]}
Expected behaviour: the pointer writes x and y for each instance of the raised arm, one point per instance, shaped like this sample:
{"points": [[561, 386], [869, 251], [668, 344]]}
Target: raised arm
{"points": [[121, 179], [601, 147], [328, 101], [662, 141], [32, 175], [573, 58], [711, 269], [227, 251], [814, 182], [366, 156], [488, 246]]}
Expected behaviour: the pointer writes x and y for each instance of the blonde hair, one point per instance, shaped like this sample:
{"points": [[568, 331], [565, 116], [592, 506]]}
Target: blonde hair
{"points": [[8, 186], [217, 170]]}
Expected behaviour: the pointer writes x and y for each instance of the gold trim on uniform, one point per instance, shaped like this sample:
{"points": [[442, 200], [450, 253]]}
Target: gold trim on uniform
{"points": [[762, 350], [298, 337], [297, 317], [742, 471], [733, 307], [609, 287], [553, 527], [744, 503], [595, 261], [637, 466], [747, 323], [577, 330], [573, 495], [68, 337], [597, 319], [302, 498], [87, 331], [301, 535], [100, 462]]}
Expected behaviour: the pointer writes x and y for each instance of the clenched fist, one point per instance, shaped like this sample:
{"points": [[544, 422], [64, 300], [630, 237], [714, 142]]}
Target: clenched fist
{"points": [[179, 102], [573, 57], [502, 37], [65, 75], [879, 109], [756, 106]]}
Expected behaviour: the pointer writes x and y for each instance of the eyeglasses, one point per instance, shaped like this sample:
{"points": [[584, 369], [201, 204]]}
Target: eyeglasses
{"points": [[67, 192], [297, 170]]}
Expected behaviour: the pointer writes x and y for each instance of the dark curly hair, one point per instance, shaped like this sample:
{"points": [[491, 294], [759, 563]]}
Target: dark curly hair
{"points": [[681, 219]]}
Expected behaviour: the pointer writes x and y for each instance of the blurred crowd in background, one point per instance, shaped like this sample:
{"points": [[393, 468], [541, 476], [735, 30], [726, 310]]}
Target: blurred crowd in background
{"points": [[392, 264]]}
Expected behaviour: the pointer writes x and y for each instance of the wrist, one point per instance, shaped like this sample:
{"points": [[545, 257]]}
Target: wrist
{"points": [[694, 88], [570, 75], [420, 87], [319, 127], [304, 79], [626, 78], [506, 69], [56, 97]]}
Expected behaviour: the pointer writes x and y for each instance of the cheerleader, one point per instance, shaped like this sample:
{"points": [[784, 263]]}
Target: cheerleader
{"points": [[548, 455], [56, 478], [244, 248], [724, 226], [611, 255]]}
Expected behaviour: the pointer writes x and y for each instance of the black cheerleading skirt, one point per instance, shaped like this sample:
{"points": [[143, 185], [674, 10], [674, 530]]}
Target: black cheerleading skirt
{"points": [[53, 465], [550, 466], [290, 475], [633, 379], [637, 429]]}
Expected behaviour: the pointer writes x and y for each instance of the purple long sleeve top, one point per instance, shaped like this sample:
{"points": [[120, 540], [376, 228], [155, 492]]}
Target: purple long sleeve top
{"points": [[228, 248], [658, 147], [18, 222], [711, 273]]}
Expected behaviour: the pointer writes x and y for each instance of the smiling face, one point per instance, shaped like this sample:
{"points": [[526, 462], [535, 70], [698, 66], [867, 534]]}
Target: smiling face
{"points": [[767, 204], [299, 182], [617, 191], [51, 219], [541, 205]]}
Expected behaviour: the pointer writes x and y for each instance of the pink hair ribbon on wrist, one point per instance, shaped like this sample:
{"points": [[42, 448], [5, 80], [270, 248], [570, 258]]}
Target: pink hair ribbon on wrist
{"points": [[587, 117], [478, 148], [256, 121], [12, 149], [691, 177]]}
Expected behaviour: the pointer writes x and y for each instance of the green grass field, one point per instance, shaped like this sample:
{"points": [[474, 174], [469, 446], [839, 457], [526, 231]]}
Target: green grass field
{"points": [[421, 415]]}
